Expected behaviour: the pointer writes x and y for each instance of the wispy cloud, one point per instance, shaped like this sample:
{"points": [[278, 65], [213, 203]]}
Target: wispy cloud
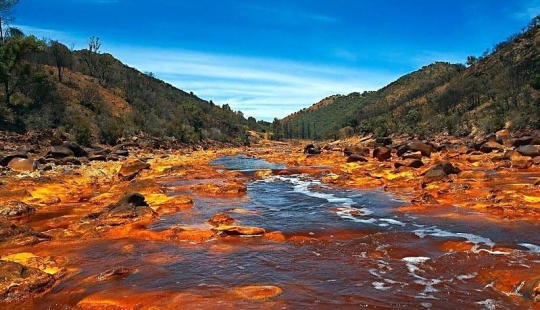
{"points": [[260, 87], [287, 15], [98, 1], [78, 40], [530, 10]]}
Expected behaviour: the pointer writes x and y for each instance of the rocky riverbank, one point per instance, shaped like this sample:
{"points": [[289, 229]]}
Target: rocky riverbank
{"points": [[57, 192]]}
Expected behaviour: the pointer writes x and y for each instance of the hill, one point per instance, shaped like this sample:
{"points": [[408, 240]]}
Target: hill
{"points": [[93, 97], [498, 90]]}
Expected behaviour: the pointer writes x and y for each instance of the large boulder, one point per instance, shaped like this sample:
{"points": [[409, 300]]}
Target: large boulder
{"points": [[23, 164], [60, 152], [529, 150], [415, 146], [525, 140], [131, 168], [382, 153], [311, 149], [77, 150], [356, 149], [383, 141], [440, 171], [491, 146], [19, 154], [419, 146], [132, 207], [493, 137]]}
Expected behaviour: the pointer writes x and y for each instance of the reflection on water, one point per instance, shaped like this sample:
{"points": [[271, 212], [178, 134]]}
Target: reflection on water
{"points": [[345, 249]]}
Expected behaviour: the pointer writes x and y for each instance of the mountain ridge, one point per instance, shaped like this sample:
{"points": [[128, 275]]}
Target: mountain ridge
{"points": [[495, 91]]}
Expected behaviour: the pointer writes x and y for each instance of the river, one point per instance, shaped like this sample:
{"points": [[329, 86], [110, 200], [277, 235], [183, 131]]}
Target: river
{"points": [[344, 249]]}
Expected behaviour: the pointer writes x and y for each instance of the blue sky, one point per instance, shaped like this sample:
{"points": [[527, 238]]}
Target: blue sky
{"points": [[271, 58]]}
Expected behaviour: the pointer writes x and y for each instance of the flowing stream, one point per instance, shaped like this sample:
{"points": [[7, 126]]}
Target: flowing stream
{"points": [[345, 249]]}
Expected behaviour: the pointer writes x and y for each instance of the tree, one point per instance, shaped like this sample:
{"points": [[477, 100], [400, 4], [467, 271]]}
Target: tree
{"points": [[90, 56], [62, 57], [535, 82], [6, 7], [471, 60], [13, 69], [535, 22]]}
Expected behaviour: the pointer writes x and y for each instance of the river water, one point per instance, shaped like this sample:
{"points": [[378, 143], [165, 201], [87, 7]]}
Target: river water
{"points": [[344, 249]]}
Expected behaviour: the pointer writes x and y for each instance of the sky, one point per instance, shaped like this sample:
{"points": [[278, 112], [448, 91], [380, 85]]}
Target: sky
{"points": [[272, 58]]}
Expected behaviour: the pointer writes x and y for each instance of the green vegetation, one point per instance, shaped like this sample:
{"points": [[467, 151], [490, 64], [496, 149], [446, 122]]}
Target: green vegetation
{"points": [[95, 98], [499, 89]]}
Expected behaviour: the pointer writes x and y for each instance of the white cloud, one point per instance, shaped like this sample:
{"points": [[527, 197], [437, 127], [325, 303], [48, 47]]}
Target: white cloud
{"points": [[79, 41], [286, 15], [260, 87]]}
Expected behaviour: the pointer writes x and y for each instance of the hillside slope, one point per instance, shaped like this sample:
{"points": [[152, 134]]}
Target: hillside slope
{"points": [[498, 90], [93, 97]]}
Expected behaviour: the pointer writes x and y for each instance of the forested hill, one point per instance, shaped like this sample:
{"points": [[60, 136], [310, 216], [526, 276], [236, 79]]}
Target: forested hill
{"points": [[500, 89], [92, 97]]}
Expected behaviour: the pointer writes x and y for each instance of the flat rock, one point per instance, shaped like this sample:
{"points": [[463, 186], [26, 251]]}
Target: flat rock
{"points": [[15, 208], [12, 235], [353, 158], [258, 292], [131, 168], [23, 164], [240, 230], [412, 163]]}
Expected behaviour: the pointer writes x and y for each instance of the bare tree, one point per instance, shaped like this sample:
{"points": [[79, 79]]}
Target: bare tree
{"points": [[6, 11], [62, 57]]}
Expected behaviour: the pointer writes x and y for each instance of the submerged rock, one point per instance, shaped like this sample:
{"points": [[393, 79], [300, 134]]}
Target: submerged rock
{"points": [[425, 198], [13, 235], [19, 282], [115, 273], [221, 219], [258, 292], [240, 230]]}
